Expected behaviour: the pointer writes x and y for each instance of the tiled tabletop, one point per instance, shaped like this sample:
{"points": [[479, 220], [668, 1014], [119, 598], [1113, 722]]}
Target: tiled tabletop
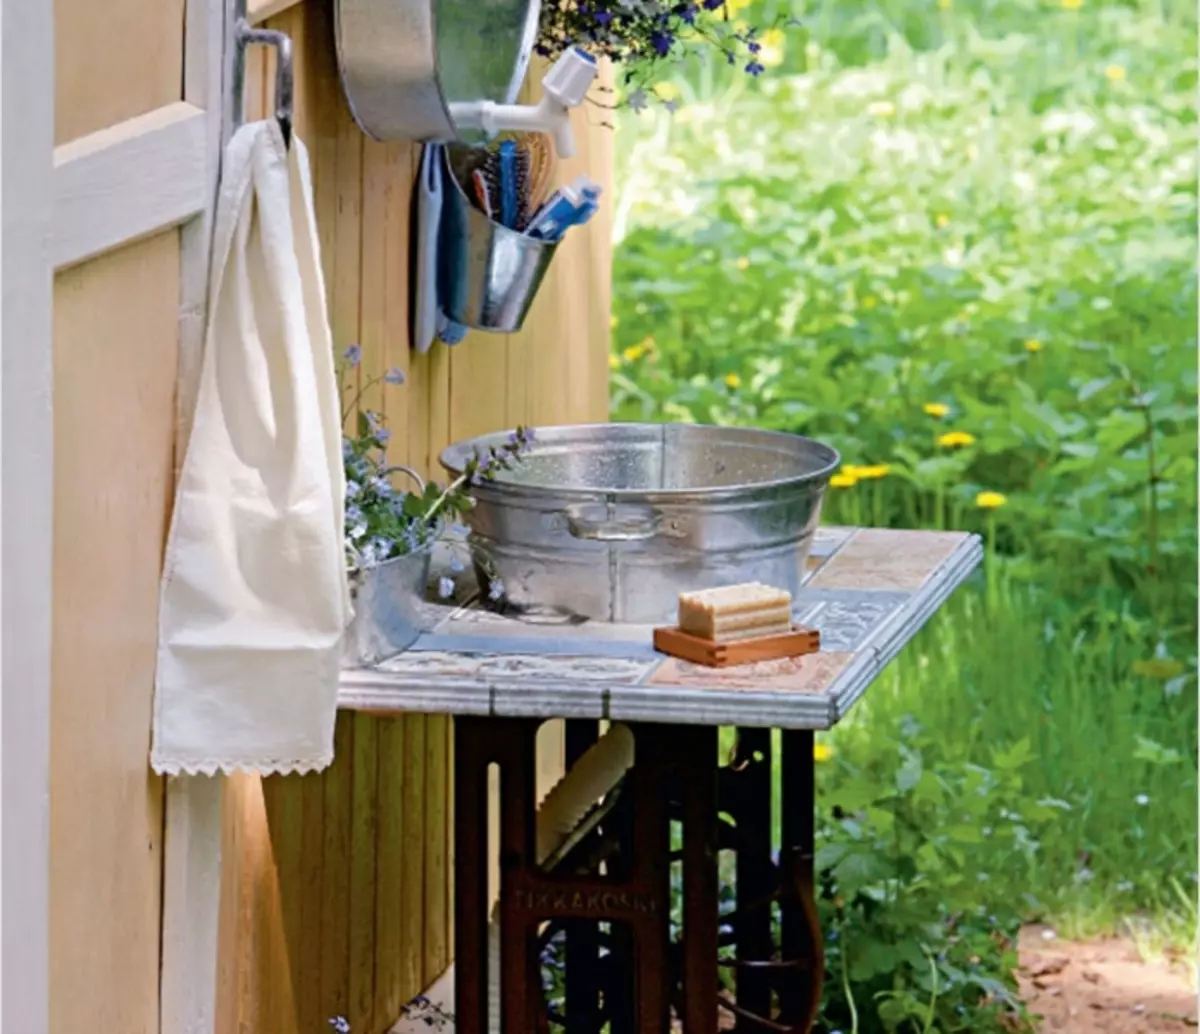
{"points": [[869, 591]]}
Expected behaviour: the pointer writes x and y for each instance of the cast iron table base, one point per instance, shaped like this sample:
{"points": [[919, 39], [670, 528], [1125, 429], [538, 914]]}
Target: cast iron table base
{"points": [[607, 903]]}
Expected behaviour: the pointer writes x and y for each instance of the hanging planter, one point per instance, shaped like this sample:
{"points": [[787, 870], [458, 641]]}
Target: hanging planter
{"points": [[643, 37]]}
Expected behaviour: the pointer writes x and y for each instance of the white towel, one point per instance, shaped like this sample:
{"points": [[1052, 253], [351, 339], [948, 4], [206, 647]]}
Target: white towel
{"points": [[254, 593]]}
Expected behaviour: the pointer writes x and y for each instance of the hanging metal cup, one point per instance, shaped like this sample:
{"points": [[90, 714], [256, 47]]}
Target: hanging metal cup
{"points": [[488, 274]]}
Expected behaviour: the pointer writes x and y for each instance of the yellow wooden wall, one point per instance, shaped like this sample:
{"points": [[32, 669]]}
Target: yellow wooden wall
{"points": [[337, 887]]}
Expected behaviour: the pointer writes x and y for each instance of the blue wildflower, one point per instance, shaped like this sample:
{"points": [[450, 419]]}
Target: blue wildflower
{"points": [[661, 42], [383, 436], [353, 355], [445, 587], [340, 1025], [754, 46], [602, 17], [354, 515], [394, 376], [456, 564], [755, 69], [353, 489], [495, 590], [712, 5]]}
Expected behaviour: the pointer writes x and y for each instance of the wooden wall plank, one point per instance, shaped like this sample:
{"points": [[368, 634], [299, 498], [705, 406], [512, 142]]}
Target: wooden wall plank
{"points": [[412, 886], [115, 330], [363, 897], [96, 82], [335, 875]]}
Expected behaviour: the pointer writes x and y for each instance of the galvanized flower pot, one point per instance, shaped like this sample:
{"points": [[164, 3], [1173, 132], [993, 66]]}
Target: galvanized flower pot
{"points": [[387, 609]]}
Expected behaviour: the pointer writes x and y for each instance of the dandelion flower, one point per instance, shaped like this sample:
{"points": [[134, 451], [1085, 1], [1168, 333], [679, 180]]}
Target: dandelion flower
{"points": [[733, 380], [822, 752], [945, 5], [956, 439], [1033, 345], [742, 262], [873, 473], [843, 481], [936, 409], [1114, 74], [773, 43], [990, 500], [870, 301], [613, 321], [633, 353], [614, 361], [881, 109], [1072, 5], [941, 220]]}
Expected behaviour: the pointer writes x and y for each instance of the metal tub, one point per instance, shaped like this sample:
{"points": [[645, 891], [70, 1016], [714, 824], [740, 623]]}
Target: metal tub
{"points": [[612, 521]]}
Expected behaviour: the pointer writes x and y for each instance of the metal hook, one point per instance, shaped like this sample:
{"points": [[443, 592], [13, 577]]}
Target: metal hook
{"points": [[244, 35]]}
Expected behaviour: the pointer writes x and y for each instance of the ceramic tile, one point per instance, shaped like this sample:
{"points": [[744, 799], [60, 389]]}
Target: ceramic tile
{"points": [[442, 664], [431, 1012], [813, 673], [884, 559], [845, 626]]}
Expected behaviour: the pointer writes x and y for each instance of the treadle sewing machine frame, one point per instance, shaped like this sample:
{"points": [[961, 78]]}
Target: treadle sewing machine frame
{"points": [[868, 594]]}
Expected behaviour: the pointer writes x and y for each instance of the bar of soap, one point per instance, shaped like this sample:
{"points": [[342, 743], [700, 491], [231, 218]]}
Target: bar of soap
{"points": [[734, 612]]}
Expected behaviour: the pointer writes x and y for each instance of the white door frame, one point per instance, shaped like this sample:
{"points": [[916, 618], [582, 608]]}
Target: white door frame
{"points": [[63, 206], [26, 523]]}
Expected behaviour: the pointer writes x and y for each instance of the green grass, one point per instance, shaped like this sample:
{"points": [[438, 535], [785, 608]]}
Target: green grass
{"points": [[991, 207]]}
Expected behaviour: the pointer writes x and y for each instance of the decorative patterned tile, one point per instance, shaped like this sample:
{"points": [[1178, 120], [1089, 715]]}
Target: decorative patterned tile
{"points": [[884, 559], [813, 673], [442, 664], [846, 625], [431, 1012]]}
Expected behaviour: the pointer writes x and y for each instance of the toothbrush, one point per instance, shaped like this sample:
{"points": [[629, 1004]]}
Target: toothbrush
{"points": [[508, 184]]}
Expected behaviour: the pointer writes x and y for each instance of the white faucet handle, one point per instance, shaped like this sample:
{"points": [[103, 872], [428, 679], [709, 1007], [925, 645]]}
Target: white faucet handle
{"points": [[570, 77]]}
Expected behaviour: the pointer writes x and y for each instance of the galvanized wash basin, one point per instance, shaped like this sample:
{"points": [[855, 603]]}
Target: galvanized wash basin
{"points": [[612, 521]]}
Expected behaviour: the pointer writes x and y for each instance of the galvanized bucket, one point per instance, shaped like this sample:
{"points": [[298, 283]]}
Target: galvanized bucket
{"points": [[387, 609], [488, 275], [387, 602]]}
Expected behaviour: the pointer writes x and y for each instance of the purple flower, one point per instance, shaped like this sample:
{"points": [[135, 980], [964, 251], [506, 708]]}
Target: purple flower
{"points": [[353, 355], [755, 69], [688, 14], [340, 1024], [603, 17], [712, 5], [383, 436], [754, 47], [445, 587], [661, 42], [671, 106], [394, 376]]}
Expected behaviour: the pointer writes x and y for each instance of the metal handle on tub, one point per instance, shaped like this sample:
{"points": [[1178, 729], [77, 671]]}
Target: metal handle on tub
{"points": [[613, 522]]}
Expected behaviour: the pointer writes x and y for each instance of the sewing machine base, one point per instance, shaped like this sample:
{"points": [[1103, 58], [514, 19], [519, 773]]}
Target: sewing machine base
{"points": [[607, 905]]}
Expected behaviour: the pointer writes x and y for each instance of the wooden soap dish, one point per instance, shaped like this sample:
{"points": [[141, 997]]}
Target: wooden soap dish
{"points": [[795, 643]]}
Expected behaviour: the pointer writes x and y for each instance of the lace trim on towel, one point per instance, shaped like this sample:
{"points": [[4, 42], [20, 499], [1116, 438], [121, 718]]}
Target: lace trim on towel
{"points": [[228, 766]]}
